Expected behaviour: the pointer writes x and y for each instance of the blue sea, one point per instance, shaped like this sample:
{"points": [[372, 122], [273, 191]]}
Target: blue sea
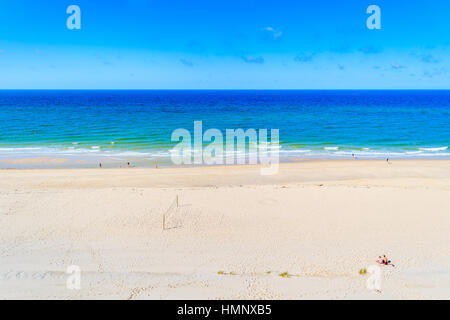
{"points": [[120, 125]]}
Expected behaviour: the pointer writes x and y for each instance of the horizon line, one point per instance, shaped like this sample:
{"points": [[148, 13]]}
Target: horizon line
{"points": [[218, 89]]}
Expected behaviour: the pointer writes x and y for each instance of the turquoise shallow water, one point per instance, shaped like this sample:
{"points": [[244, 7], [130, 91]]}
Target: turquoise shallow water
{"points": [[139, 124]]}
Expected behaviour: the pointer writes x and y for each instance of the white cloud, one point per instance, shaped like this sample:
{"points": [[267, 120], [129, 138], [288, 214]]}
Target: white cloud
{"points": [[253, 59], [274, 34], [397, 66]]}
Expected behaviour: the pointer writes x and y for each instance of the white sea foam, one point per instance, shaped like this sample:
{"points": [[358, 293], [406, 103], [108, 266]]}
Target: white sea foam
{"points": [[297, 151], [331, 148], [286, 153], [434, 149]]}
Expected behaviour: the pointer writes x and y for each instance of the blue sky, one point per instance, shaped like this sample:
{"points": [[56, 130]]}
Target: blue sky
{"points": [[217, 44]]}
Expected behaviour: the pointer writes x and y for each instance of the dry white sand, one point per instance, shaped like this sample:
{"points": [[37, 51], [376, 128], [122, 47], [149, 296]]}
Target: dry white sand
{"points": [[319, 221]]}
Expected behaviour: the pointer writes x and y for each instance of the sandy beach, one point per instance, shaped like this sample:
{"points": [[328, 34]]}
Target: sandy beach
{"points": [[229, 232]]}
